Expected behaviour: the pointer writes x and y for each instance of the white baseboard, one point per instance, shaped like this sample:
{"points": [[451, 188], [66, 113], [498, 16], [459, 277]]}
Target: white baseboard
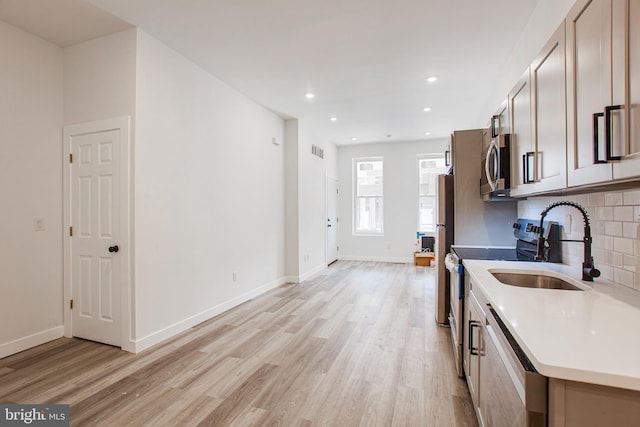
{"points": [[403, 260], [305, 276], [24, 343], [311, 273], [137, 346]]}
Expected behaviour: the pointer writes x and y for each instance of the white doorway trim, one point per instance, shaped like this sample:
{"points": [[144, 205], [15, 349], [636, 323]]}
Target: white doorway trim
{"points": [[332, 218], [123, 124]]}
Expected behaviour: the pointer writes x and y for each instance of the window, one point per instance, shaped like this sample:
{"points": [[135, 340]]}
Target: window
{"points": [[429, 167], [367, 203]]}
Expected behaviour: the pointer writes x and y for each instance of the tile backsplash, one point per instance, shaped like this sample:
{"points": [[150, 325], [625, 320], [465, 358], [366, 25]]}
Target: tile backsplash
{"points": [[615, 221]]}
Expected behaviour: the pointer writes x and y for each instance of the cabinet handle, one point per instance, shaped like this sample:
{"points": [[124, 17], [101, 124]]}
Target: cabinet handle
{"points": [[608, 131], [596, 139], [474, 351], [447, 158], [608, 134], [526, 171], [495, 126]]}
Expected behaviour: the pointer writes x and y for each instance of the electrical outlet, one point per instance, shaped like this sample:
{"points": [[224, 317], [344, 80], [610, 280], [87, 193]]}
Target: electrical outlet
{"points": [[235, 276]]}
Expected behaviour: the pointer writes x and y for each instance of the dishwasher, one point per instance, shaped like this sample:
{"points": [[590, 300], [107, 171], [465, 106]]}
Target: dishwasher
{"points": [[509, 392]]}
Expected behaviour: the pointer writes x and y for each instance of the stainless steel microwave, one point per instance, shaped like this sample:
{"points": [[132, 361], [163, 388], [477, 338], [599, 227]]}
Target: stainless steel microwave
{"points": [[495, 168]]}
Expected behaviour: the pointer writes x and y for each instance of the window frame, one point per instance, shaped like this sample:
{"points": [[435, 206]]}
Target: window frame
{"points": [[354, 164]]}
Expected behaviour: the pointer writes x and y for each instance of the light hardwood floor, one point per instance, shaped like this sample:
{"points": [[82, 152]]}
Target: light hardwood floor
{"points": [[355, 346]]}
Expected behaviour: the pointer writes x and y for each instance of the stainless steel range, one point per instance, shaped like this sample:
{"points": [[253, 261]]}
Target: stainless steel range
{"points": [[526, 232]]}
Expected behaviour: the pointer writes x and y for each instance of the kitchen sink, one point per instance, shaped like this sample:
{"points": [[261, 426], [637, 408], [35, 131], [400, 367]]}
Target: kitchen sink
{"points": [[538, 279]]}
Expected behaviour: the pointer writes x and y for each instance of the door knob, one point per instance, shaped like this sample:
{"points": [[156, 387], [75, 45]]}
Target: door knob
{"points": [[114, 248]]}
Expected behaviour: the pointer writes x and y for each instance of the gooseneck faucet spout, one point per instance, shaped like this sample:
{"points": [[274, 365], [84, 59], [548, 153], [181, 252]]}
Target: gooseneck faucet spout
{"points": [[589, 271]]}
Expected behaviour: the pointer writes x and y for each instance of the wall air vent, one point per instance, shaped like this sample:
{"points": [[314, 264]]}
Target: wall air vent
{"points": [[317, 151]]}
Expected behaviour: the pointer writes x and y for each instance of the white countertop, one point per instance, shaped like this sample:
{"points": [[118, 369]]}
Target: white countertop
{"points": [[590, 336]]}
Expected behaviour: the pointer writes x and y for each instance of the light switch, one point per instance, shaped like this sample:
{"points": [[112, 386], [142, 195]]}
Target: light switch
{"points": [[39, 224]]}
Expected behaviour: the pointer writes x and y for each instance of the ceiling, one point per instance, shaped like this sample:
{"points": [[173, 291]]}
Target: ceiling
{"points": [[366, 61]]}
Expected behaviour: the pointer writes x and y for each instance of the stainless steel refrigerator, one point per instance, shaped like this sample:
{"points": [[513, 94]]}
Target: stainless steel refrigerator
{"points": [[464, 218]]}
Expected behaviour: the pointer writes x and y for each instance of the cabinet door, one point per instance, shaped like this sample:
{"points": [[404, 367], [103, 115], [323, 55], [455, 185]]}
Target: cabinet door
{"points": [[503, 117], [626, 83], [465, 332], [549, 115], [475, 345], [500, 121], [588, 89], [522, 163]]}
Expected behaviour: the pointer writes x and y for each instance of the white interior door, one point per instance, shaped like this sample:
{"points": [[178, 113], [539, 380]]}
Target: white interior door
{"points": [[332, 220], [94, 236]]}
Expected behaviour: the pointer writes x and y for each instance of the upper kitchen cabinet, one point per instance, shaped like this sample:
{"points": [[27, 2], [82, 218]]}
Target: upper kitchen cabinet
{"points": [[500, 122], [538, 122], [626, 16], [521, 139], [549, 125], [603, 91]]}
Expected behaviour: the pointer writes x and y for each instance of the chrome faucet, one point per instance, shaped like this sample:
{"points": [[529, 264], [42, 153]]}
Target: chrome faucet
{"points": [[589, 271]]}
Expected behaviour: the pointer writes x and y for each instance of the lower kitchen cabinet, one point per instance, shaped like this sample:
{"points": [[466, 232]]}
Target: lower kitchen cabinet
{"points": [[502, 372], [474, 348], [576, 404]]}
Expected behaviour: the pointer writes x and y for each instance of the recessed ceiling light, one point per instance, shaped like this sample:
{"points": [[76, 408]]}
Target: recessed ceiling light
{"points": [[432, 79], [354, 139], [333, 118], [427, 109], [427, 133], [309, 95]]}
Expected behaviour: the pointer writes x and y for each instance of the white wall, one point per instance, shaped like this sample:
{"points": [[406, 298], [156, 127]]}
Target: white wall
{"points": [[30, 187], [306, 198], [99, 78], [209, 195], [312, 199], [400, 200], [292, 263]]}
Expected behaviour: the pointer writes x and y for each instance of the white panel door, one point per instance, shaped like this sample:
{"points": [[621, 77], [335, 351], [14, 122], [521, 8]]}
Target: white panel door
{"points": [[95, 264], [332, 220]]}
